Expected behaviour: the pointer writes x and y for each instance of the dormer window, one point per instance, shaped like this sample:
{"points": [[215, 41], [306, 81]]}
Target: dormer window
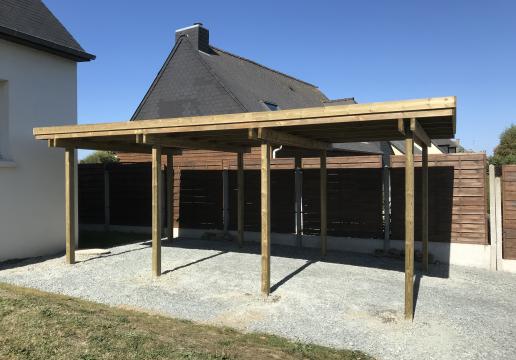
{"points": [[271, 106]]}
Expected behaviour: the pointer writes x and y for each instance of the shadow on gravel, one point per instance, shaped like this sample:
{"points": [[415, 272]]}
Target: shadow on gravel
{"points": [[14, 263], [309, 254], [194, 262], [291, 275]]}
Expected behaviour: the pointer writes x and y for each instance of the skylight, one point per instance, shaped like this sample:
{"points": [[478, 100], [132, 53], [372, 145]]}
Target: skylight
{"points": [[271, 106]]}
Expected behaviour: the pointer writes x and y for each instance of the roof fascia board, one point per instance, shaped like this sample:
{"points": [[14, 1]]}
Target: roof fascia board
{"points": [[44, 45]]}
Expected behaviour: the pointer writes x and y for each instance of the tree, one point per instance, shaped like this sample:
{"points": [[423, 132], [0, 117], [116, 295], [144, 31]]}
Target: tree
{"points": [[505, 152], [100, 157]]}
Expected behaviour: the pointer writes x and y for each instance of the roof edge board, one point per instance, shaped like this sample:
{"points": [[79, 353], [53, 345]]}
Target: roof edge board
{"points": [[44, 45]]}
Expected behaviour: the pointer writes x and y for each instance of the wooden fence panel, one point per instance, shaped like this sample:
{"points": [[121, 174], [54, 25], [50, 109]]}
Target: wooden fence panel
{"points": [[457, 198], [200, 199], [509, 211], [130, 194], [354, 202], [282, 201], [91, 193]]}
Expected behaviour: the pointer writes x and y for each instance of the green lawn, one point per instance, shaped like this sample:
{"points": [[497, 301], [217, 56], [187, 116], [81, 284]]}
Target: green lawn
{"points": [[38, 325]]}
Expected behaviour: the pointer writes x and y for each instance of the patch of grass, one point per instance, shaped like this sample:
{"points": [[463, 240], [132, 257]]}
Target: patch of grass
{"points": [[38, 325], [105, 239]]}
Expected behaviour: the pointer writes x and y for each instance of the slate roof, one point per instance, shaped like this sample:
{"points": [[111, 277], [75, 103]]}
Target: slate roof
{"points": [[192, 83], [31, 23], [200, 79]]}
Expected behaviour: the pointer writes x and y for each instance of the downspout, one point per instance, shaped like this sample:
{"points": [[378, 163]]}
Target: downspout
{"points": [[274, 151]]}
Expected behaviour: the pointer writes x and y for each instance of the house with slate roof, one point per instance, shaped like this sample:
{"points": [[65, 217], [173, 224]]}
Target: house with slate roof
{"points": [[198, 78], [38, 87]]}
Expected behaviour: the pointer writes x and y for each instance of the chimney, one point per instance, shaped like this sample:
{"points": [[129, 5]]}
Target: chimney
{"points": [[199, 37]]}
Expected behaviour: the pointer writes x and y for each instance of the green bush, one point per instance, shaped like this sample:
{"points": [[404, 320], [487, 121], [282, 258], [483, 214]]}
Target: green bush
{"points": [[100, 157], [505, 152]]}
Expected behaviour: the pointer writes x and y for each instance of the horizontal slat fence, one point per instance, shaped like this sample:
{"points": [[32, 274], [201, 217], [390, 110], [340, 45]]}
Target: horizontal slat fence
{"points": [[91, 193], [130, 194], [282, 201], [201, 199], [457, 198], [354, 202], [457, 195], [509, 211]]}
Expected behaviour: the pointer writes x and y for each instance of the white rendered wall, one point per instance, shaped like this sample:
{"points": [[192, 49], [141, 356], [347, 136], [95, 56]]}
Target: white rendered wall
{"points": [[42, 91]]}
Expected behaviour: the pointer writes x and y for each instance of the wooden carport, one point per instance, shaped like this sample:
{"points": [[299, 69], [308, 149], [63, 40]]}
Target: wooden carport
{"points": [[310, 128]]}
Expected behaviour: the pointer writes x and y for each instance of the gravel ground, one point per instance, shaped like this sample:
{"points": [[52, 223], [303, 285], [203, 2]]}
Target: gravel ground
{"points": [[346, 301]]}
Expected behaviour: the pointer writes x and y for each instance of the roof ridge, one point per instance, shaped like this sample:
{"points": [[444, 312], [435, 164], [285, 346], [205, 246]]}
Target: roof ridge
{"points": [[341, 99], [165, 65], [212, 72], [156, 79], [264, 67]]}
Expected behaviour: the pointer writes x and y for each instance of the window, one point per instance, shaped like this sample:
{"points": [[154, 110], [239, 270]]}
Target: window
{"points": [[271, 106], [4, 121]]}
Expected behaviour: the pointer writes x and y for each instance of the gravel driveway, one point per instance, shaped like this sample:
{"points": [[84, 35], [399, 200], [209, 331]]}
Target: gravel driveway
{"points": [[347, 300]]}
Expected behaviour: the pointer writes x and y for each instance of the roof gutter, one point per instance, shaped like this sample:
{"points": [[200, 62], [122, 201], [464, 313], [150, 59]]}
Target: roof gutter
{"points": [[44, 45]]}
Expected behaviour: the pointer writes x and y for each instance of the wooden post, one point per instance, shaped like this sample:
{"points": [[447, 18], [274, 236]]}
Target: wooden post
{"points": [[170, 195], [324, 217], [424, 205], [492, 217], [386, 179], [499, 230], [70, 204], [156, 210], [266, 217], [240, 182], [409, 226], [225, 199], [298, 184], [106, 200]]}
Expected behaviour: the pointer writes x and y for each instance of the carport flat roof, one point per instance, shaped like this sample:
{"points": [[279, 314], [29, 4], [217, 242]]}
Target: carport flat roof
{"points": [[313, 128]]}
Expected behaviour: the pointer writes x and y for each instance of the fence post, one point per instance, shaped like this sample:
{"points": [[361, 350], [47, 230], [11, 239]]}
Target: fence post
{"points": [[386, 180], [106, 199], [492, 217], [298, 184], [499, 232], [225, 199]]}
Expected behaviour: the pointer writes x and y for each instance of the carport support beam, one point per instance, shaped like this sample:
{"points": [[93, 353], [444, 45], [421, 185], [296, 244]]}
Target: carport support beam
{"points": [[240, 184], [70, 204], [266, 217], [324, 209], [298, 181], [409, 226], [424, 204], [156, 210], [170, 195]]}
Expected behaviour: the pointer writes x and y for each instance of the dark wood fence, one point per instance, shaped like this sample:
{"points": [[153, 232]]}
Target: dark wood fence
{"points": [[509, 211], [457, 196], [91, 193], [457, 200], [354, 202], [201, 199]]}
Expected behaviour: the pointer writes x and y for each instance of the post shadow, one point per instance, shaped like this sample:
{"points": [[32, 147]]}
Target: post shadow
{"points": [[194, 262], [291, 275]]}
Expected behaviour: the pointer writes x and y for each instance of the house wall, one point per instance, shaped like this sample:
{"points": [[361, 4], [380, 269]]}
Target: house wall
{"points": [[38, 89]]}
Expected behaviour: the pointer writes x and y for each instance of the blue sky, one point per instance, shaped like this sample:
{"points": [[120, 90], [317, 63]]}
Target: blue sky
{"points": [[371, 50]]}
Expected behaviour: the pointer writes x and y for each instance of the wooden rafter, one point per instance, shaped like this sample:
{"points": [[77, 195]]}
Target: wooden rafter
{"points": [[419, 132], [192, 144], [107, 146], [281, 138]]}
